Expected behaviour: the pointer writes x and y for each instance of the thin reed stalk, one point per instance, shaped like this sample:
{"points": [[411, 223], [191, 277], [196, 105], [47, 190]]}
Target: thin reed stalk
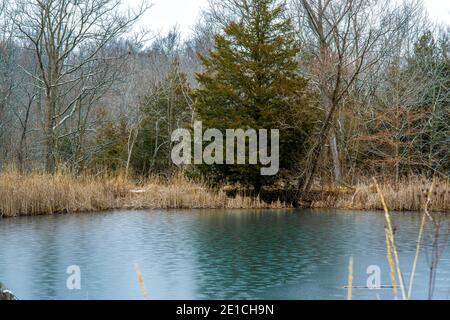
{"points": [[419, 239], [350, 279], [141, 281], [416, 257], [391, 265], [392, 240]]}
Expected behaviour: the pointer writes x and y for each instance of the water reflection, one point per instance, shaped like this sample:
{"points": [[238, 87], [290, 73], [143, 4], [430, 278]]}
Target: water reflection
{"points": [[207, 254]]}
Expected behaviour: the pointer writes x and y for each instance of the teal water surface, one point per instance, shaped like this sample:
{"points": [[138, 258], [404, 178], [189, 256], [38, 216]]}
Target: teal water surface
{"points": [[204, 254]]}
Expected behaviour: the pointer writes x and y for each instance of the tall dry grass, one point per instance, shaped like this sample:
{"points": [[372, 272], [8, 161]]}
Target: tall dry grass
{"points": [[40, 193], [181, 193], [396, 273], [409, 194]]}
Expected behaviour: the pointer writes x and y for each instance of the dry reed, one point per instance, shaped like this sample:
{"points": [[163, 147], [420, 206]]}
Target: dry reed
{"points": [[390, 237], [40, 193], [350, 279], [141, 281], [394, 264], [410, 194], [419, 239]]}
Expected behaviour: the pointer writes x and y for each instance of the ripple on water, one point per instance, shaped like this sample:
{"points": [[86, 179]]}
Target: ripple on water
{"points": [[201, 254]]}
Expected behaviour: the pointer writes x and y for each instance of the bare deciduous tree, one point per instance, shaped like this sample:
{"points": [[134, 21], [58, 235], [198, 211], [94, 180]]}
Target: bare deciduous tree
{"points": [[346, 40], [69, 38]]}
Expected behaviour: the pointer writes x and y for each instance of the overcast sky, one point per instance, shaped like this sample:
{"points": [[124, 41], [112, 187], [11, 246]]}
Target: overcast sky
{"points": [[166, 13]]}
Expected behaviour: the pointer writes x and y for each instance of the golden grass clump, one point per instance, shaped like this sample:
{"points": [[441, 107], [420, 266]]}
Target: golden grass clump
{"points": [[40, 193], [410, 194], [180, 193]]}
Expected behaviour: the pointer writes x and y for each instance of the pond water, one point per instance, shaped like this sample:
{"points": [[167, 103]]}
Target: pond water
{"points": [[204, 254]]}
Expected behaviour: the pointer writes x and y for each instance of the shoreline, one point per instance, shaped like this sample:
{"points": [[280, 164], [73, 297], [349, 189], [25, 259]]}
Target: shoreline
{"points": [[42, 194], [133, 210]]}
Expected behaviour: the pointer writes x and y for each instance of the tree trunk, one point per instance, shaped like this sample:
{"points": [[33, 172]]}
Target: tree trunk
{"points": [[316, 153], [23, 153], [50, 163], [335, 156]]}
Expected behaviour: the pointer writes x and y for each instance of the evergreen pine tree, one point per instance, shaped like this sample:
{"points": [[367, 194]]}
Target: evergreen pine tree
{"points": [[251, 80]]}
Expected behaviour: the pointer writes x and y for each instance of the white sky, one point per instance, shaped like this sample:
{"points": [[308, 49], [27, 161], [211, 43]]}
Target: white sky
{"points": [[166, 13], [439, 9]]}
